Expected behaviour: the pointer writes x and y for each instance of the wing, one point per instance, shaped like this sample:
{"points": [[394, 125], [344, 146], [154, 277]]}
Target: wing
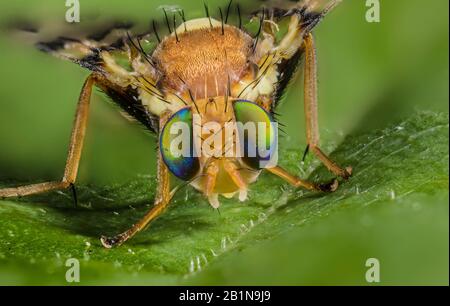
{"points": [[310, 13], [80, 43], [84, 44]]}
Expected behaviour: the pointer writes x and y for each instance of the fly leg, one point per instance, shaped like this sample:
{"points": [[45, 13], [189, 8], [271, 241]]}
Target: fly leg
{"points": [[310, 104], [297, 182], [162, 200], [298, 37], [74, 154]]}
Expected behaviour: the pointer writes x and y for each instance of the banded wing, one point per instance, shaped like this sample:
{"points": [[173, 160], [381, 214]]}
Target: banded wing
{"points": [[95, 46], [309, 12]]}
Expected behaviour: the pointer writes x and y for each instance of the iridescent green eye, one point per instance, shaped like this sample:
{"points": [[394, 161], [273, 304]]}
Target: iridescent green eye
{"points": [[177, 145], [257, 134]]}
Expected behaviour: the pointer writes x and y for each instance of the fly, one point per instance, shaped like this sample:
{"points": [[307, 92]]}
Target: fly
{"points": [[202, 71]]}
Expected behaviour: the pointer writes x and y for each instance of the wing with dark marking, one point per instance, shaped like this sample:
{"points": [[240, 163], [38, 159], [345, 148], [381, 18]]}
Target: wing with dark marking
{"points": [[82, 43], [310, 10], [310, 13]]}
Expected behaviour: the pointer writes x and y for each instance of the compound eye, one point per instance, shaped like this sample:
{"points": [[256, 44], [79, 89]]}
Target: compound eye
{"points": [[257, 134], [177, 145]]}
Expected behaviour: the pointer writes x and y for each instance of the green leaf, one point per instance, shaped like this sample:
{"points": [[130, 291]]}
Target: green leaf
{"points": [[394, 208]]}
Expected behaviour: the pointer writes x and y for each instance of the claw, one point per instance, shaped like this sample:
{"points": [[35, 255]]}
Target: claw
{"points": [[243, 194], [347, 173], [107, 242], [330, 187], [110, 242], [214, 200]]}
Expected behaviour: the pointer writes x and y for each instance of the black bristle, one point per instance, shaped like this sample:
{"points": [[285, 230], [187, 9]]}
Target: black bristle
{"points": [[155, 30], [264, 62], [146, 56], [228, 11], [288, 68], [131, 41], [261, 22], [183, 17], [182, 81], [238, 8], [193, 101], [167, 21], [305, 153], [228, 93], [151, 90], [223, 22], [181, 99], [175, 27], [207, 14]]}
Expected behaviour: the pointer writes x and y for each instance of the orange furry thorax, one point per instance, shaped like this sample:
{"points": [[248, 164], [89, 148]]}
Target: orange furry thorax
{"points": [[204, 60]]}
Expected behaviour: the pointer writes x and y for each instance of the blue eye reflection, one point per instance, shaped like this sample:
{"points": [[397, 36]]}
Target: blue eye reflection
{"points": [[179, 159]]}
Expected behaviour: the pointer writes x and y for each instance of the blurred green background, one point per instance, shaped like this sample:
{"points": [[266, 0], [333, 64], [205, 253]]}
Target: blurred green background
{"points": [[372, 76]]}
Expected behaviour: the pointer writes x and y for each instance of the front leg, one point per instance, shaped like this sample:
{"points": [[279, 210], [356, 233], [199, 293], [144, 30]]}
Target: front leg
{"points": [[162, 200], [299, 39], [311, 111]]}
